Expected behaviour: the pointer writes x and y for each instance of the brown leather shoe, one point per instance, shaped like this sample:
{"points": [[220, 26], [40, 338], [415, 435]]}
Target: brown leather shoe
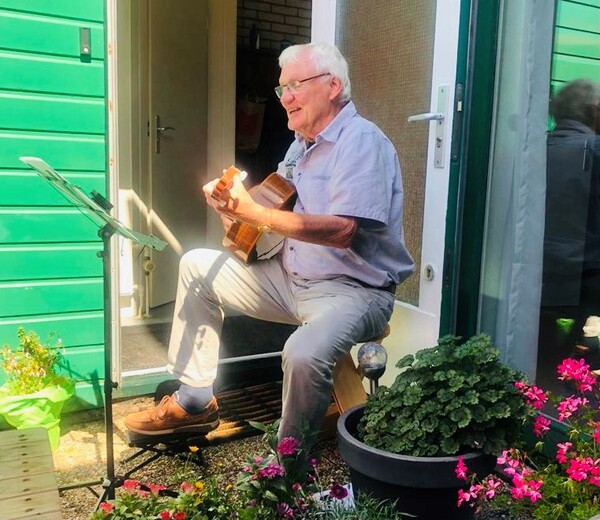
{"points": [[169, 417]]}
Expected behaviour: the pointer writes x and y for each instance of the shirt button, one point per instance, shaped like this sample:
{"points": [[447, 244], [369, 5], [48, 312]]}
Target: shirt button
{"points": [[291, 248]]}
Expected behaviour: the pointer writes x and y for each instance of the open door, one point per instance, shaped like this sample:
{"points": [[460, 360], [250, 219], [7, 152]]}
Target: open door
{"points": [[402, 59], [177, 129]]}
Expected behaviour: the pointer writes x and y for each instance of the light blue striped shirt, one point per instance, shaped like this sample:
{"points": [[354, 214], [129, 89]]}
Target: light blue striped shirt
{"points": [[351, 170]]}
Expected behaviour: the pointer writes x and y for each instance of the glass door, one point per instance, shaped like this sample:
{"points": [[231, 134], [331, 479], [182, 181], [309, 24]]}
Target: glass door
{"points": [[402, 57]]}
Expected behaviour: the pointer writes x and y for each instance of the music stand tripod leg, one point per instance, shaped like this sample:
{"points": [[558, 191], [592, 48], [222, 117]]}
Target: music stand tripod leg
{"points": [[111, 481]]}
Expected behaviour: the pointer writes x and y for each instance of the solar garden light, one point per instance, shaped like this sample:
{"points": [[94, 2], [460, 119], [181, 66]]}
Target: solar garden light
{"points": [[372, 359]]}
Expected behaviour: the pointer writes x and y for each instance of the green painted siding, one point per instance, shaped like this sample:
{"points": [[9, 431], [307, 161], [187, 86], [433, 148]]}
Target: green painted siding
{"points": [[52, 105], [576, 52]]}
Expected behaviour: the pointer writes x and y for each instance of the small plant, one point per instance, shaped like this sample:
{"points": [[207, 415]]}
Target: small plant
{"points": [[285, 482], [282, 484], [32, 366], [202, 500], [447, 400], [566, 488]]}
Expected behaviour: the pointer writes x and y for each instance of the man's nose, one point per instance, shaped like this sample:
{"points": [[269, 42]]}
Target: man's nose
{"points": [[286, 96]]}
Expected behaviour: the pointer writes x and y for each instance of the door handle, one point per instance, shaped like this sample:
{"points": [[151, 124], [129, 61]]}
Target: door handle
{"points": [[440, 125], [426, 116], [159, 131]]}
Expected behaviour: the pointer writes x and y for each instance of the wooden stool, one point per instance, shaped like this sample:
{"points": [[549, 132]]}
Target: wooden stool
{"points": [[348, 390]]}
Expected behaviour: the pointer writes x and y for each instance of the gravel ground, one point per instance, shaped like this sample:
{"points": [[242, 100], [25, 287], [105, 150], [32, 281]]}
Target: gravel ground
{"points": [[81, 457]]}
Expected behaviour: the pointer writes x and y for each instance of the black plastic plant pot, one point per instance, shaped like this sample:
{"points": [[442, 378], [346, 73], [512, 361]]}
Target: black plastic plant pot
{"points": [[426, 487]]}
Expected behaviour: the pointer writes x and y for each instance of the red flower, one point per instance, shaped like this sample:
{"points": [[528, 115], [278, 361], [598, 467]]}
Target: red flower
{"points": [[131, 484], [338, 491], [165, 515], [179, 516], [106, 507]]}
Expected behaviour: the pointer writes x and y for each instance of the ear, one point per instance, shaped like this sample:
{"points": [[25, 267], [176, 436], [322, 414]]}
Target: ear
{"points": [[336, 88]]}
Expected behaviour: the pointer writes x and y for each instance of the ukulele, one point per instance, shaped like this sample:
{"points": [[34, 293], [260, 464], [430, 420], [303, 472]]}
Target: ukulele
{"points": [[245, 241]]}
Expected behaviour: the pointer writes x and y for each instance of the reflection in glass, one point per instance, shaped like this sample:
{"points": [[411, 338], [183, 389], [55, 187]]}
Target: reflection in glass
{"points": [[571, 273]]}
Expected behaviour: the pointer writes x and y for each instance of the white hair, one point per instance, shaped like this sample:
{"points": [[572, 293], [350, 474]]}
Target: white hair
{"points": [[325, 57]]}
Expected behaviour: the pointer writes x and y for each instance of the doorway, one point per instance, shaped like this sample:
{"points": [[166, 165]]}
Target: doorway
{"points": [[175, 125]]}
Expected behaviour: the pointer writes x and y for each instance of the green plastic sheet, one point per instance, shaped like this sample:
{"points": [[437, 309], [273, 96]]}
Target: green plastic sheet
{"points": [[40, 409]]}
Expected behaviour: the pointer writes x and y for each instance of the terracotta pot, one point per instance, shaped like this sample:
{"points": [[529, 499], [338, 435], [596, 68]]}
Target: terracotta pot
{"points": [[426, 487]]}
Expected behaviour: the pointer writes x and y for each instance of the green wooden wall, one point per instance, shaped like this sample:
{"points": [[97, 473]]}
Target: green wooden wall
{"points": [[576, 52], [52, 105]]}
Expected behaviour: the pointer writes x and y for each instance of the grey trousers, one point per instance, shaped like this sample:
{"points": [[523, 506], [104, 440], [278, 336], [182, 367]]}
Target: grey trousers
{"points": [[332, 316]]}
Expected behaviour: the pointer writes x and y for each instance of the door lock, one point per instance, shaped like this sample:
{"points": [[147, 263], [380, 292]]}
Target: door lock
{"points": [[429, 272]]}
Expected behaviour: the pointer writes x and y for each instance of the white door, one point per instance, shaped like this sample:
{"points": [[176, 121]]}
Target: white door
{"points": [[402, 56], [177, 131]]}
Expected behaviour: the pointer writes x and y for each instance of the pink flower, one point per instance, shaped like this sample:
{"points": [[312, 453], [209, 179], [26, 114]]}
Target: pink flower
{"points": [[467, 496], [186, 487], [533, 492], [490, 486], [534, 396], [284, 510], [561, 453], [288, 446], [106, 507], [271, 470], [578, 372], [579, 468], [461, 469], [338, 491], [541, 425], [156, 488], [596, 434], [568, 406], [511, 461]]}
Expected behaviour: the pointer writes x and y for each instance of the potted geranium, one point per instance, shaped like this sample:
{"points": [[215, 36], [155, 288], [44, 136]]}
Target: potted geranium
{"points": [[559, 479], [34, 393], [448, 401]]}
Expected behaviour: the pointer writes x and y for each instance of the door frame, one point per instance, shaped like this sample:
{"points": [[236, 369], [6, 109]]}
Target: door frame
{"points": [[477, 69]]}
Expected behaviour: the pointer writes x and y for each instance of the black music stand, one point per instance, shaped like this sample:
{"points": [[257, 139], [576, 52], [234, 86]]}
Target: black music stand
{"points": [[97, 210]]}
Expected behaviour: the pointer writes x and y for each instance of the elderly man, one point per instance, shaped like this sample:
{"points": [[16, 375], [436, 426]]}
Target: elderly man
{"points": [[335, 276]]}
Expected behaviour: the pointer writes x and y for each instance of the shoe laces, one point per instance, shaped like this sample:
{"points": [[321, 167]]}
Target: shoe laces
{"points": [[161, 410]]}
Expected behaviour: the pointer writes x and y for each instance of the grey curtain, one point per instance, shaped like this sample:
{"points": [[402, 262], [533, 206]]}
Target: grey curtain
{"points": [[513, 242]]}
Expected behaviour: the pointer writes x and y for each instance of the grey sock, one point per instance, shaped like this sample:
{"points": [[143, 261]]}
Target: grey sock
{"points": [[193, 399]]}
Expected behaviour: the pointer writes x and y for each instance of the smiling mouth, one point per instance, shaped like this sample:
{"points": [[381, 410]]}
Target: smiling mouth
{"points": [[292, 111]]}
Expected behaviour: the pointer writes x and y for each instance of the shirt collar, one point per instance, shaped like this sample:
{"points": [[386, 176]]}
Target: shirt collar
{"points": [[332, 131]]}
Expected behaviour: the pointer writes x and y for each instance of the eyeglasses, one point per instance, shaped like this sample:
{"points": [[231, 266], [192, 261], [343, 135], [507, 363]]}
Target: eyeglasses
{"points": [[293, 86]]}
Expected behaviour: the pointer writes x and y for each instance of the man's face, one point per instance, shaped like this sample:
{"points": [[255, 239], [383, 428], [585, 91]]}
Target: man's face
{"points": [[313, 105]]}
